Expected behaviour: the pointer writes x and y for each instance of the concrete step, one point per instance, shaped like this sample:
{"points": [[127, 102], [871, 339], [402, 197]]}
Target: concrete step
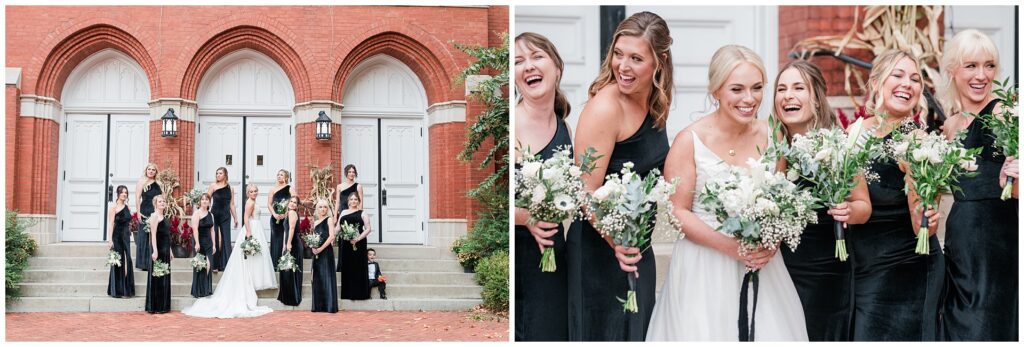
{"points": [[138, 303], [389, 265], [99, 249], [185, 289], [184, 275]]}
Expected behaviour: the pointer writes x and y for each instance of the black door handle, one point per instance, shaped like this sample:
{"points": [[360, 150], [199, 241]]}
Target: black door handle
{"points": [[110, 193], [384, 197]]}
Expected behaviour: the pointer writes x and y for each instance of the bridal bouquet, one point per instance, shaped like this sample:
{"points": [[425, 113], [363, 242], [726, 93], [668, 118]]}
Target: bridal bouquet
{"points": [[761, 210], [934, 164], [348, 233], [1005, 126], [250, 246], [628, 208], [280, 207], [552, 190], [199, 262], [113, 258], [287, 263], [312, 240], [161, 268], [829, 159]]}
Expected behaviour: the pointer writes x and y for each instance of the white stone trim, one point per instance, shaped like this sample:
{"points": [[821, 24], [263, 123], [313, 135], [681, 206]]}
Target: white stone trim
{"points": [[442, 232], [40, 107], [446, 112], [473, 82], [183, 108], [13, 77], [307, 112], [44, 227]]}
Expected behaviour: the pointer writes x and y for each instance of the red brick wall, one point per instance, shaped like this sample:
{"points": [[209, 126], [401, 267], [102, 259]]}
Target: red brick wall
{"points": [[175, 45], [11, 109], [319, 153]]}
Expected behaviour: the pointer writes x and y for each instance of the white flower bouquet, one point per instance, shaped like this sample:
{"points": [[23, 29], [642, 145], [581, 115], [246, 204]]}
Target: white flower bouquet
{"points": [[829, 160], [312, 240], [934, 164], [199, 262], [161, 268], [280, 207], [348, 232], [193, 196], [250, 246], [113, 258], [629, 208], [1005, 126], [287, 263], [552, 190]]}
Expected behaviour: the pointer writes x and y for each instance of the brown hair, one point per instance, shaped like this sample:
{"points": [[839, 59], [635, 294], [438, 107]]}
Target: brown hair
{"points": [[541, 43], [655, 31], [823, 116], [350, 166]]}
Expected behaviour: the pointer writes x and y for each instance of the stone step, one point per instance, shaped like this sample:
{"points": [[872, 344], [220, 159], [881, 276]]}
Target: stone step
{"points": [[108, 304], [99, 249], [185, 289], [389, 265], [184, 275]]}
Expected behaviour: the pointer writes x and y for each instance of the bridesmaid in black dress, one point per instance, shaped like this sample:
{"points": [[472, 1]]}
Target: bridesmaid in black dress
{"points": [[355, 285], [896, 291], [158, 290], [202, 280], [343, 190], [981, 298], [291, 281], [541, 297], [223, 210], [324, 281], [625, 122], [281, 192], [145, 190], [122, 278], [823, 282]]}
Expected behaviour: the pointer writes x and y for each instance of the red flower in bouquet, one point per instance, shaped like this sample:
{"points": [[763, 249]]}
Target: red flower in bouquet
{"points": [[305, 225], [133, 225]]}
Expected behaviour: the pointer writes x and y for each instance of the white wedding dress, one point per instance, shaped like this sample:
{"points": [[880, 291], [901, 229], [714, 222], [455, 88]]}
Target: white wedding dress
{"points": [[699, 300], [235, 295]]}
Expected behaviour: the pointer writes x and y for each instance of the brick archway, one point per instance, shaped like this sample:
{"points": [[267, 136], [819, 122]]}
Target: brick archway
{"points": [[71, 51], [422, 60], [254, 38]]}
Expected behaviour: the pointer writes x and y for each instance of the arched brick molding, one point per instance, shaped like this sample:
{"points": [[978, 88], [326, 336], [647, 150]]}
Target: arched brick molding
{"points": [[245, 36], [69, 52], [411, 52]]}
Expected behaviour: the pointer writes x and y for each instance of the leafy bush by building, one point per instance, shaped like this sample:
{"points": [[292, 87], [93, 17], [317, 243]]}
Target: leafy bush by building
{"points": [[20, 246]]}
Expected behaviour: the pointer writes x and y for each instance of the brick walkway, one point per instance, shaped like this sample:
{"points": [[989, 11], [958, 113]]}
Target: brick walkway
{"points": [[276, 326]]}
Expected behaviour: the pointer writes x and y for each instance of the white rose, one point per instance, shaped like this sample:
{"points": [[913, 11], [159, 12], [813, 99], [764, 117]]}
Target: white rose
{"points": [[792, 175], [539, 193], [575, 171], [823, 154], [934, 156], [901, 149], [601, 194], [551, 173], [919, 154], [531, 169]]}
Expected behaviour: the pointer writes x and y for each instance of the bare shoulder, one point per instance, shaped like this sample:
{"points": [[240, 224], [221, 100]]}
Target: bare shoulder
{"points": [[603, 107]]}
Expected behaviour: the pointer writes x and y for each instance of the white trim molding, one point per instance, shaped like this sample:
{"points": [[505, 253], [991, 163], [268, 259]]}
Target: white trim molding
{"points": [[40, 107], [13, 77], [442, 232], [307, 112], [446, 112], [183, 108], [41, 227], [473, 82]]}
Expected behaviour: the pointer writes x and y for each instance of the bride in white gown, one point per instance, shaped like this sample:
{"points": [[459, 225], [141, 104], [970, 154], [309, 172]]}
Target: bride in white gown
{"points": [[235, 295], [699, 300]]}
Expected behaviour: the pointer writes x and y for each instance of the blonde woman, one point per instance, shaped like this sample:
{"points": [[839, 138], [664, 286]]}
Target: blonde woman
{"points": [[278, 194], [981, 262], [324, 281], [145, 190], [158, 289]]}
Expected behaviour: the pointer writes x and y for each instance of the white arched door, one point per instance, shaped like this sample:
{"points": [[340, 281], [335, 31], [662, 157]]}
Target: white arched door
{"points": [[104, 141], [245, 125], [384, 136]]}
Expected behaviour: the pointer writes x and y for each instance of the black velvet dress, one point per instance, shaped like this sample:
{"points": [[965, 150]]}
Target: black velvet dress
{"points": [[981, 301], [824, 284], [324, 281], [142, 254], [896, 291], [122, 278], [355, 285], [342, 205], [202, 280], [278, 229], [542, 297], [595, 280], [221, 210], [158, 289], [290, 292]]}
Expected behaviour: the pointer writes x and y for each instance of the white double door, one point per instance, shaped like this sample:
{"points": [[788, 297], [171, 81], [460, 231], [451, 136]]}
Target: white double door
{"points": [[390, 155], [99, 153], [252, 149]]}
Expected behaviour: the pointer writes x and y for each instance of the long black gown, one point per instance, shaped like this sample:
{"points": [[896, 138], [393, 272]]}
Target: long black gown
{"points": [[981, 302], [278, 230], [595, 280], [122, 278], [824, 284], [355, 285], [221, 210], [342, 205], [202, 280], [142, 254], [290, 292], [896, 291], [324, 281], [158, 290], [541, 297]]}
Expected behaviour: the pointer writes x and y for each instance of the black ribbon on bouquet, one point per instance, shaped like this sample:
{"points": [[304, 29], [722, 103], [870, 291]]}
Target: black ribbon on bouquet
{"points": [[839, 231], [747, 331]]}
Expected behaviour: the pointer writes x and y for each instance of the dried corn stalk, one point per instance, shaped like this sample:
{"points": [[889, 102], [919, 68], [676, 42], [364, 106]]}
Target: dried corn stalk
{"points": [[884, 28], [322, 181], [168, 181]]}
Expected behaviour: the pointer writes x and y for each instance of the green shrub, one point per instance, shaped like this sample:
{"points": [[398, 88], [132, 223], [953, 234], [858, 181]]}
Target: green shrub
{"points": [[490, 230], [492, 274], [19, 248]]}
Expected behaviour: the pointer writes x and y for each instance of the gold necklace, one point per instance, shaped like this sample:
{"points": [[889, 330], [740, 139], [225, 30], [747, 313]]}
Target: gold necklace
{"points": [[732, 152]]}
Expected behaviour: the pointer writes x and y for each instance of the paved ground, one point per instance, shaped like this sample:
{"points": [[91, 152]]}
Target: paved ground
{"points": [[276, 326]]}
